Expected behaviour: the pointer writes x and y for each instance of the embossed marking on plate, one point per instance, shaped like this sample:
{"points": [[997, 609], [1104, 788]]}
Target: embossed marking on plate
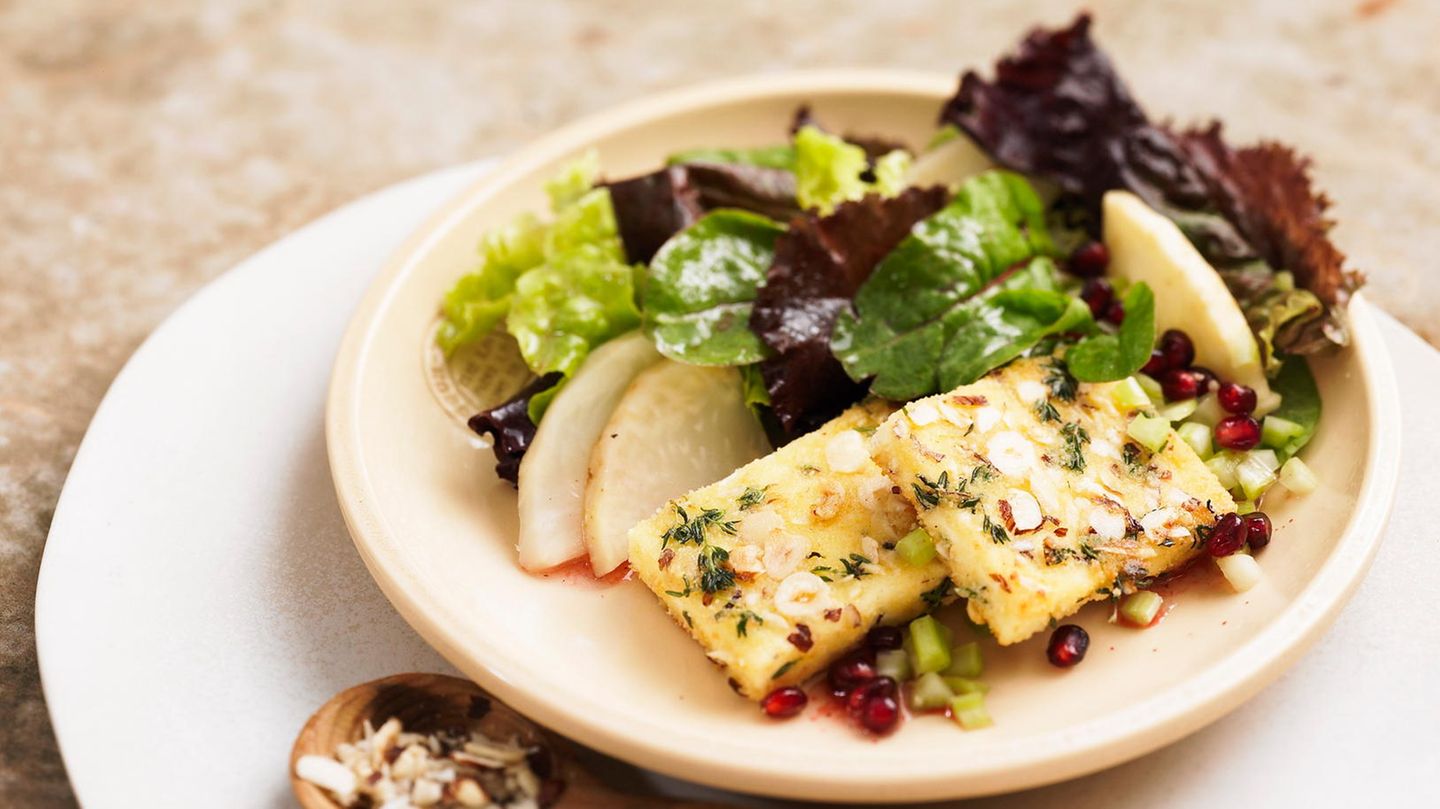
{"points": [[480, 375]]}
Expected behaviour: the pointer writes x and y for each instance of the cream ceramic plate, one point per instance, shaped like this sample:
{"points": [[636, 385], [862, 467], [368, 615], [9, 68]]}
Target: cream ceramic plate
{"points": [[608, 668]]}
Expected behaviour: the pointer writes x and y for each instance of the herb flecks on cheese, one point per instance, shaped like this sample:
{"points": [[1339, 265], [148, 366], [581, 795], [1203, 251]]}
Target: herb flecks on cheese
{"points": [[783, 566], [1038, 501]]}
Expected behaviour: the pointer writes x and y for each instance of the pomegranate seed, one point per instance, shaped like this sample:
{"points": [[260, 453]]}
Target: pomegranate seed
{"points": [[1208, 380], [884, 638], [1237, 432], [1098, 294], [1157, 364], [1257, 530], [783, 703], [852, 670], [1067, 646], [1182, 383], [881, 713], [1114, 313], [855, 703], [1237, 398], [1227, 535], [1089, 260], [1179, 351]]}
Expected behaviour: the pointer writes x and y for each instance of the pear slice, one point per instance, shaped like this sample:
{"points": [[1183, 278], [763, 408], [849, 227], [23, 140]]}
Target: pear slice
{"points": [[949, 164], [1189, 294], [679, 427], [552, 474]]}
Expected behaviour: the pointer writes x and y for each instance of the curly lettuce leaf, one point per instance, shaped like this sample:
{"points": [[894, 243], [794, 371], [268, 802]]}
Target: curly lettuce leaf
{"points": [[829, 170], [820, 263], [699, 288], [1057, 110], [943, 294], [1108, 357], [480, 299], [575, 301]]}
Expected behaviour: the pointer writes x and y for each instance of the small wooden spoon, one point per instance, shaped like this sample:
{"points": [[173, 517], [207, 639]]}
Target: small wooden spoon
{"points": [[429, 702]]}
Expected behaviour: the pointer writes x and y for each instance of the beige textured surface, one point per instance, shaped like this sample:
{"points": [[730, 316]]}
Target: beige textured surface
{"points": [[146, 147]]}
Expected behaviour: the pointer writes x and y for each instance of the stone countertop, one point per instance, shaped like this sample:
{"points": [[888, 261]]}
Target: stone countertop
{"points": [[147, 147]]}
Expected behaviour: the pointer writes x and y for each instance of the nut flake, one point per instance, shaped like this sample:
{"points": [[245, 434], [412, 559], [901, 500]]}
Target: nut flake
{"points": [[846, 452], [392, 767], [801, 595]]}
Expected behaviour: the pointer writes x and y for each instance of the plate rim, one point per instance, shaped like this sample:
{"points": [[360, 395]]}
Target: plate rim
{"points": [[1099, 744]]}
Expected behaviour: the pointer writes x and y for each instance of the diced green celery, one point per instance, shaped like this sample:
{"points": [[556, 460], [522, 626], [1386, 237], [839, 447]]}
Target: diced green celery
{"points": [[916, 548], [1208, 410], [965, 661], [1198, 437], [1298, 477], [1284, 281], [893, 663], [1241, 570], [1254, 476], [967, 685], [1151, 387], [1141, 608], [1151, 431], [1222, 466], [1265, 457], [929, 692], [1278, 432], [949, 635], [968, 711], [1177, 411], [930, 650], [1128, 395], [1243, 507]]}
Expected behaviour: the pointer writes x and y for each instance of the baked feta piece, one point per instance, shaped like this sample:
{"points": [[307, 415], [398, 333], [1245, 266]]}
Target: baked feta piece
{"points": [[781, 567], [1038, 499]]}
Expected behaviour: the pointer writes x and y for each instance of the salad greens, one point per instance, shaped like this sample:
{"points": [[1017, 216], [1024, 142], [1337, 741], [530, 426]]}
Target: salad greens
{"points": [[969, 289], [781, 156], [1057, 110], [830, 170], [820, 263], [1107, 357], [815, 267], [698, 290]]}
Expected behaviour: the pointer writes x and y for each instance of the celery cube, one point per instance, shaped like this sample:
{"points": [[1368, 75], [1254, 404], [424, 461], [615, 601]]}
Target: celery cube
{"points": [[968, 711], [1152, 432], [893, 663], [916, 548], [1198, 437], [929, 692], [929, 648], [965, 661]]}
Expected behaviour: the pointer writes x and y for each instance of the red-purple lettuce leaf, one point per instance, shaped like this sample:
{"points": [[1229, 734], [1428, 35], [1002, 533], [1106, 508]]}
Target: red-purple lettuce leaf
{"points": [[510, 428], [820, 262], [1057, 109], [651, 208]]}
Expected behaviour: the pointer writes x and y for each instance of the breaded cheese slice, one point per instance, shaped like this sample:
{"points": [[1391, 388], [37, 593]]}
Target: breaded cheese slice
{"points": [[781, 567], [1038, 499]]}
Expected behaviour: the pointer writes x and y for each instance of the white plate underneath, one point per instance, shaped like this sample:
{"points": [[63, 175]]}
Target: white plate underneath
{"points": [[199, 595]]}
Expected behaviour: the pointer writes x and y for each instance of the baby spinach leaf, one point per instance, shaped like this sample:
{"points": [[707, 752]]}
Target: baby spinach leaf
{"points": [[699, 288], [1108, 357], [779, 156], [1007, 320], [943, 278], [1299, 400]]}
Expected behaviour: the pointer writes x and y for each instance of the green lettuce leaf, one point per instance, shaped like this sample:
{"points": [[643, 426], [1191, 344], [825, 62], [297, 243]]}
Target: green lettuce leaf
{"points": [[700, 287], [480, 299], [780, 156], [959, 296], [575, 301], [1299, 401], [829, 170], [1108, 357]]}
